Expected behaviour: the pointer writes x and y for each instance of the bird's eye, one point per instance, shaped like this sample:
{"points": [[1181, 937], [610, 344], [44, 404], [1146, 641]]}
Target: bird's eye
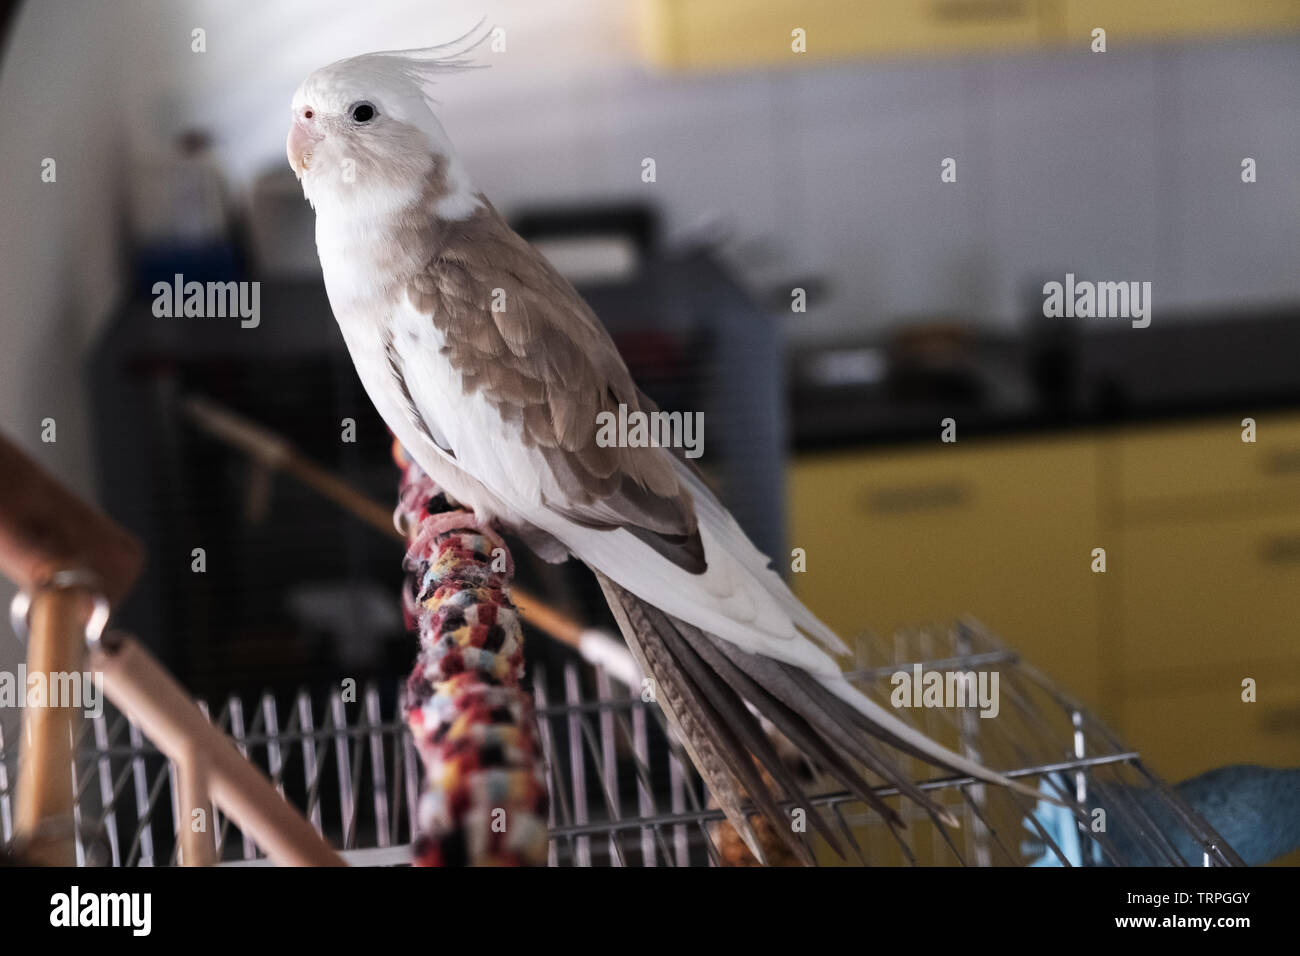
{"points": [[362, 112]]}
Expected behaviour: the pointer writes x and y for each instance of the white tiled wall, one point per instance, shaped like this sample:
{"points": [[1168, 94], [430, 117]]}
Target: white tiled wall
{"points": [[1114, 166], [1120, 168]]}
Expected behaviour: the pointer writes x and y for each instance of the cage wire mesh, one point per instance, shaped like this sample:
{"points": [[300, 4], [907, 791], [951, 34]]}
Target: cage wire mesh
{"points": [[623, 792]]}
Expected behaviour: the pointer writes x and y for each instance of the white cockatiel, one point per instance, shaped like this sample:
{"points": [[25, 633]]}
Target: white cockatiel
{"points": [[499, 406]]}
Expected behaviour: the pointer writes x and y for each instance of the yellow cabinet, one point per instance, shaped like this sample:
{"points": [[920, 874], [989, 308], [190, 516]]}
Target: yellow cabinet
{"points": [[1002, 531], [1206, 468], [1208, 593], [1202, 582], [721, 33], [1182, 733], [1156, 19], [713, 34]]}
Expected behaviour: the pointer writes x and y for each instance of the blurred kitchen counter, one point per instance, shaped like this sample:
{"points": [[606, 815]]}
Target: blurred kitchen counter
{"points": [[1140, 454], [864, 395]]}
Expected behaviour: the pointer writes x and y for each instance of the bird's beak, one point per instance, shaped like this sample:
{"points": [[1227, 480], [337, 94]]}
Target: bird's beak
{"points": [[299, 146]]}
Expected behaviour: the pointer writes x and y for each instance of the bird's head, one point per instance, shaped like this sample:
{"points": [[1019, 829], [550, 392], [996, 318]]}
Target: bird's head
{"points": [[364, 138]]}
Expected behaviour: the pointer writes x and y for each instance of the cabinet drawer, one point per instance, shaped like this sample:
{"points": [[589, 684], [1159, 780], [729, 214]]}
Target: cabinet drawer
{"points": [[1182, 734], [1209, 463], [1124, 19], [1001, 531], [1209, 593], [714, 33]]}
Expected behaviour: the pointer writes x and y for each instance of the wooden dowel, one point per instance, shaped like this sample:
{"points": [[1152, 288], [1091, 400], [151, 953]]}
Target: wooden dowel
{"points": [[546, 618], [44, 798], [146, 693], [45, 528], [270, 449], [196, 828]]}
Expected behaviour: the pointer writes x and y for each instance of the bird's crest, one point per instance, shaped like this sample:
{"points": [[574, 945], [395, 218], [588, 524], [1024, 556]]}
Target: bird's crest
{"points": [[425, 64]]}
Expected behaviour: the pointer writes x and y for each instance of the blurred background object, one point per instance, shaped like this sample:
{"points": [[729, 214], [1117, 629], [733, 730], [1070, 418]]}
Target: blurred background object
{"points": [[853, 213], [180, 216]]}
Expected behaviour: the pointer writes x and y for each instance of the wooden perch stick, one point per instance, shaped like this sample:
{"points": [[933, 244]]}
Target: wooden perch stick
{"points": [[206, 762], [45, 528], [273, 451], [65, 554], [43, 799], [47, 532]]}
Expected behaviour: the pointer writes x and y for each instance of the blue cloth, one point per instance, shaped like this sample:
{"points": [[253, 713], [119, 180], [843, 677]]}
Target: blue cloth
{"points": [[1255, 809]]}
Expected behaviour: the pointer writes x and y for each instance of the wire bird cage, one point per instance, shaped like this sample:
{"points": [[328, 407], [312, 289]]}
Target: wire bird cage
{"points": [[623, 792]]}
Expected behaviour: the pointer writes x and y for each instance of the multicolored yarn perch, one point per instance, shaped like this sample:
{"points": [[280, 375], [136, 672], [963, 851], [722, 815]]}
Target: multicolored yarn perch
{"points": [[483, 799]]}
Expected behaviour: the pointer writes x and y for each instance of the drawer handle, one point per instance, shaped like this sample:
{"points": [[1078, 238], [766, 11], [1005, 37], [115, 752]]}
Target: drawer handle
{"points": [[917, 498], [964, 10], [1281, 550], [1283, 462], [1281, 720]]}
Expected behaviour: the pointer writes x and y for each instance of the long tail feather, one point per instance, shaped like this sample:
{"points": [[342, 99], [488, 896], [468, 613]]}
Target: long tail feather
{"points": [[732, 708], [795, 728], [689, 716], [701, 682], [817, 708]]}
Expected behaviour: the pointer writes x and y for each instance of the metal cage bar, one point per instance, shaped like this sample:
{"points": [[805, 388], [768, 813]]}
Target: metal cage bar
{"points": [[624, 794]]}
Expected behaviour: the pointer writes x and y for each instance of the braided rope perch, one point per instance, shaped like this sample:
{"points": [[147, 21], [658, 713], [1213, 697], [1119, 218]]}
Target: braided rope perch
{"points": [[483, 799]]}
